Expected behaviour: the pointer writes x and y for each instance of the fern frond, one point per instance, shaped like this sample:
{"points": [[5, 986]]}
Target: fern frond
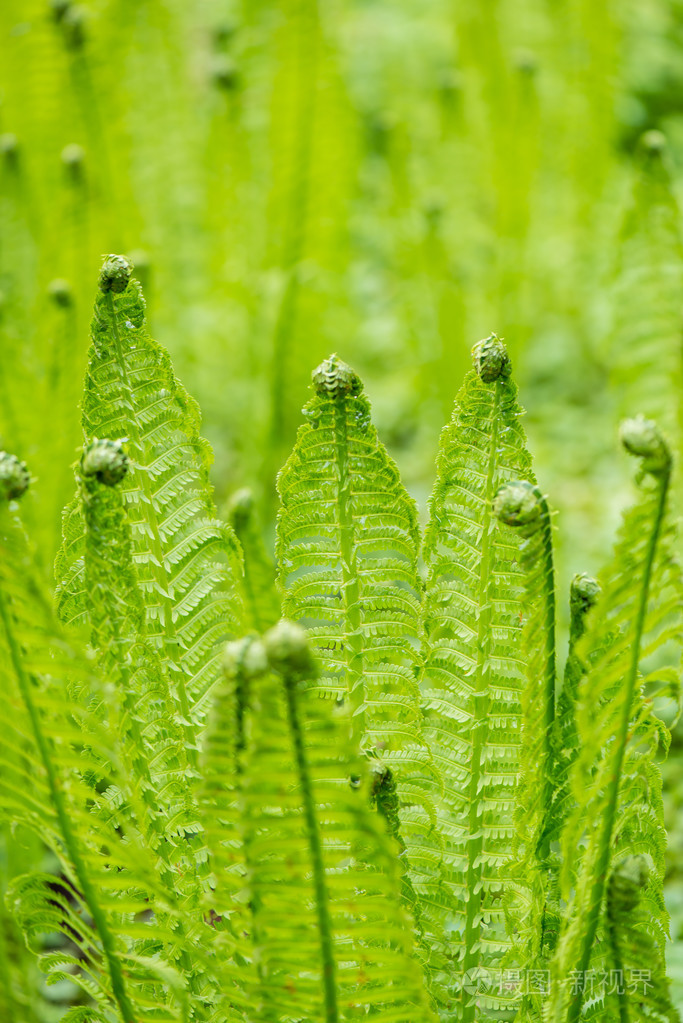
{"points": [[616, 784], [583, 594], [641, 987], [534, 902], [187, 561], [473, 675], [53, 749], [347, 540], [330, 935], [261, 599]]}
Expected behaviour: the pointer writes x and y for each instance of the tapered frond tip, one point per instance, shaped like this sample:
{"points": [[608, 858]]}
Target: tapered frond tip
{"points": [[289, 652], [641, 437], [491, 360], [115, 274], [14, 477], [105, 460], [518, 504], [246, 657], [335, 379], [583, 592]]}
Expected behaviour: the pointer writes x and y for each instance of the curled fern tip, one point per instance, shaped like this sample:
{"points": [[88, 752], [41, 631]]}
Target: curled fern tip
{"points": [[289, 652], [246, 657], [241, 506], [14, 477], [105, 460], [518, 504], [583, 592], [335, 379], [641, 437], [115, 274], [491, 359], [627, 881]]}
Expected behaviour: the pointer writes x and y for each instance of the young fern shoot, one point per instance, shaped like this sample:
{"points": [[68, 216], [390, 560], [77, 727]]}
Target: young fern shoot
{"points": [[521, 506], [615, 782], [187, 560], [261, 599], [347, 542]]}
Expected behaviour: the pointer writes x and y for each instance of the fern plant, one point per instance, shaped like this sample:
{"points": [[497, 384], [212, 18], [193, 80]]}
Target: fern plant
{"points": [[382, 806]]}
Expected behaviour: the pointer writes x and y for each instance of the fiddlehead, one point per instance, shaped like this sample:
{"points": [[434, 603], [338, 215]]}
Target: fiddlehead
{"points": [[14, 477], [522, 506]]}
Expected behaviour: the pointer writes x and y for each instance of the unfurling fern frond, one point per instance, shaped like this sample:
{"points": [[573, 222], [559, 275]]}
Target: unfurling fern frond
{"points": [[261, 600], [522, 507], [347, 552], [473, 679], [187, 560], [53, 749], [616, 785], [295, 833]]}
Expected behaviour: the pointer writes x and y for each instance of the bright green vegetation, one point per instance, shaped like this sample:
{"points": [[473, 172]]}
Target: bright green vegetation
{"points": [[461, 784], [385, 804]]}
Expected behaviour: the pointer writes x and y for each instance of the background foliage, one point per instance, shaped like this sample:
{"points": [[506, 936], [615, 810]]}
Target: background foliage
{"points": [[390, 179]]}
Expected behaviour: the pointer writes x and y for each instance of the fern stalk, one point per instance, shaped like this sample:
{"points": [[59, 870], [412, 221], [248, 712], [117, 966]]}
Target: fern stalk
{"points": [[353, 640], [291, 680], [482, 682]]}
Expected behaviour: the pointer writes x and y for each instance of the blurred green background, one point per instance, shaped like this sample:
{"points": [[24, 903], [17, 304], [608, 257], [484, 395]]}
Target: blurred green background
{"points": [[388, 179]]}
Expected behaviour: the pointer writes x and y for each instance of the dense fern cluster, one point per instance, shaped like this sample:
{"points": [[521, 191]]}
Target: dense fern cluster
{"points": [[384, 805]]}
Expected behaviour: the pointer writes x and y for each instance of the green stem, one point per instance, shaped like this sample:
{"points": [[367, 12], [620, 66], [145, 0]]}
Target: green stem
{"points": [[170, 638], [479, 728], [549, 672], [316, 851], [618, 754], [99, 918]]}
